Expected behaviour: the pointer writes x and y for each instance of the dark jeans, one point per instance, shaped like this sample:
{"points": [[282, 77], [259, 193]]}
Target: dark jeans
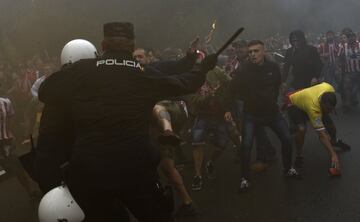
{"points": [[280, 128], [264, 148], [350, 89], [329, 74], [146, 201]]}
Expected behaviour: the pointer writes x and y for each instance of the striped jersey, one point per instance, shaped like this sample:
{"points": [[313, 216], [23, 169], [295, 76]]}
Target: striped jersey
{"points": [[6, 112], [351, 57], [329, 52], [26, 82]]}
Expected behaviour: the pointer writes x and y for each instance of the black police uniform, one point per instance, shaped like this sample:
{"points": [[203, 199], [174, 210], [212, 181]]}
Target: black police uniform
{"points": [[54, 144], [112, 163], [55, 132]]}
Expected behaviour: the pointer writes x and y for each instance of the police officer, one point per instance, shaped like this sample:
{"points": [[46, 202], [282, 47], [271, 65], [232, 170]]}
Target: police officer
{"points": [[112, 165], [55, 130]]}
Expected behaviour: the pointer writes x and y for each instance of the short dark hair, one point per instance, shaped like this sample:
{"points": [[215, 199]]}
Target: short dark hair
{"points": [[329, 98], [256, 42]]}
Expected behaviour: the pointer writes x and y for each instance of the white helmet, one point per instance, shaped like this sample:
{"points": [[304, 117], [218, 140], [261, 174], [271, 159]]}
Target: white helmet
{"points": [[77, 49], [58, 205]]}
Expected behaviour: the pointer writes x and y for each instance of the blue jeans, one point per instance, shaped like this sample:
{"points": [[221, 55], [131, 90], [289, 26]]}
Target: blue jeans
{"points": [[204, 125], [280, 128]]}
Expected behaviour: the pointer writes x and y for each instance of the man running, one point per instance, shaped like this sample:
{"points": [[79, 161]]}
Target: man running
{"points": [[171, 117]]}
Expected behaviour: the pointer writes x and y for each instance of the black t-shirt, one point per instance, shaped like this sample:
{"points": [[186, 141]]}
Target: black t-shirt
{"points": [[258, 86], [305, 64]]}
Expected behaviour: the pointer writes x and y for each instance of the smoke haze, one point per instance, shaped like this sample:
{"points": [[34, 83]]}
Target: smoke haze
{"points": [[31, 25]]}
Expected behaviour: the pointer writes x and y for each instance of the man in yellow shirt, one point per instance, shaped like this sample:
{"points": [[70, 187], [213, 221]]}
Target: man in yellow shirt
{"points": [[315, 104]]}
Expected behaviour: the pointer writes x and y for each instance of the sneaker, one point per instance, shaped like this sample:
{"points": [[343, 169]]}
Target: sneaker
{"points": [[197, 183], [292, 173], [299, 162], [339, 143], [168, 137], [186, 210], [259, 167], [210, 170], [2, 172], [244, 185], [334, 172]]}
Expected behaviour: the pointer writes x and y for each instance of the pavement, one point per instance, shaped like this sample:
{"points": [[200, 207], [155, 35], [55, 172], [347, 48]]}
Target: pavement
{"points": [[271, 198]]}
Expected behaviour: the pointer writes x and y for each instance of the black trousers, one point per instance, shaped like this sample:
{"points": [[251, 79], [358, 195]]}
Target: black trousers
{"points": [[52, 153], [146, 200]]}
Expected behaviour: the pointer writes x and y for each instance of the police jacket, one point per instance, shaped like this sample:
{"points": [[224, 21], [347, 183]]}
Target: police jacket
{"points": [[258, 86], [54, 144], [111, 99]]}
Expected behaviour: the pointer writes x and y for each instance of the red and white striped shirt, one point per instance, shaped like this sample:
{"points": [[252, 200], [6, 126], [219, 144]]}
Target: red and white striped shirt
{"points": [[6, 112], [351, 57], [329, 51], [27, 81]]}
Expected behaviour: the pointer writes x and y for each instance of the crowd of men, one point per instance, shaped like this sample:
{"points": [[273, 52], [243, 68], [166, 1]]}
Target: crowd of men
{"points": [[130, 104]]}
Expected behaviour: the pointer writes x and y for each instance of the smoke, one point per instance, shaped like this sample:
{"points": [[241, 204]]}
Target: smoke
{"points": [[33, 25]]}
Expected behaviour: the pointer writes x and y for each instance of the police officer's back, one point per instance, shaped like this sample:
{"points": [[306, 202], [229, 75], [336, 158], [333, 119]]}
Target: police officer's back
{"points": [[111, 100]]}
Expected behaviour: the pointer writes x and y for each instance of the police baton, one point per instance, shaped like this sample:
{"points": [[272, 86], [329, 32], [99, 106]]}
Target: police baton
{"points": [[232, 38]]}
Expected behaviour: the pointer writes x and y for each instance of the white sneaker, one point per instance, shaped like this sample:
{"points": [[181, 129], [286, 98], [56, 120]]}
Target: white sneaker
{"points": [[2, 172], [244, 185], [292, 173]]}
